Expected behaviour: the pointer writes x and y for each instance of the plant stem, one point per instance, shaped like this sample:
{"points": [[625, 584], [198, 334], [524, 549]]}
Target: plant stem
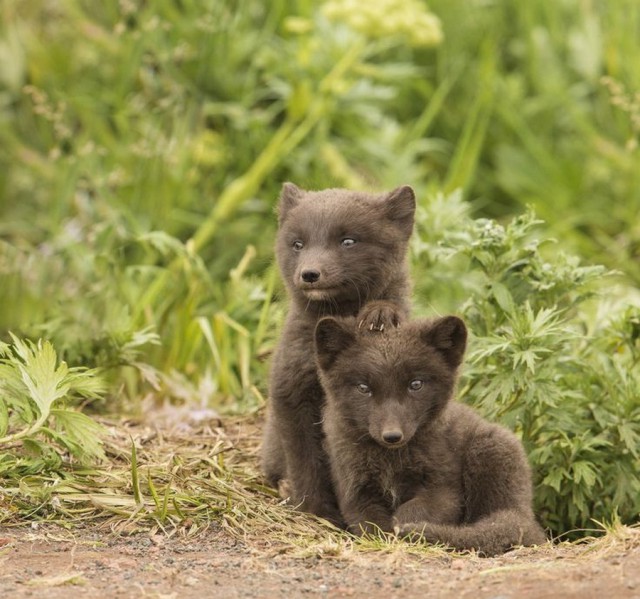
{"points": [[26, 432]]}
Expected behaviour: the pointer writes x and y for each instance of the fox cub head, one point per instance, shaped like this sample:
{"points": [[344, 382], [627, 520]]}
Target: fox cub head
{"points": [[387, 385], [339, 245]]}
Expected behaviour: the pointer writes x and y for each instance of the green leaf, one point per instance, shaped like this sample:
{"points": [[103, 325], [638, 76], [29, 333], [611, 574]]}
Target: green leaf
{"points": [[554, 479], [81, 434], [135, 478], [44, 382], [33, 381], [629, 437], [584, 471], [503, 297], [4, 417]]}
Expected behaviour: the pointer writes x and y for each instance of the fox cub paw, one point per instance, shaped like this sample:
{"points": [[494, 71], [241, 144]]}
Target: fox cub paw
{"points": [[415, 531], [284, 488], [376, 316]]}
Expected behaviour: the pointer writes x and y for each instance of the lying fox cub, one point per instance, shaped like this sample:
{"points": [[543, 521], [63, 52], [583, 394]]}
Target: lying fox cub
{"points": [[404, 456]]}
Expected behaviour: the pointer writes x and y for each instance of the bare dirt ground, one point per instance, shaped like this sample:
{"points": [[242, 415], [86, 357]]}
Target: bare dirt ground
{"points": [[53, 563], [100, 561]]}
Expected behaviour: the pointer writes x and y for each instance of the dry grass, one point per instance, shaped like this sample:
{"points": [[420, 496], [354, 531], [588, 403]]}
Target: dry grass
{"points": [[171, 475], [168, 474]]}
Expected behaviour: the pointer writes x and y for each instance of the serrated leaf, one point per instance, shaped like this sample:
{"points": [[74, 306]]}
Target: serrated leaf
{"points": [[80, 430], [44, 382], [85, 382], [527, 357], [35, 448], [583, 471], [629, 438], [554, 479]]}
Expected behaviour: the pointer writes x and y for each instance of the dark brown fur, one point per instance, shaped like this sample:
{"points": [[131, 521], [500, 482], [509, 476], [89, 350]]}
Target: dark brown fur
{"points": [[411, 459], [311, 234]]}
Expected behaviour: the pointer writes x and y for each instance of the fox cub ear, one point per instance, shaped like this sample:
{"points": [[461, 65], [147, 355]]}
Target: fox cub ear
{"points": [[289, 198], [449, 336], [400, 208], [332, 338]]}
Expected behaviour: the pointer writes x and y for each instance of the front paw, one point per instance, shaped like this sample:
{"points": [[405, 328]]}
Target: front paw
{"points": [[378, 315], [405, 515], [326, 509], [332, 514], [414, 531], [364, 529], [284, 488]]}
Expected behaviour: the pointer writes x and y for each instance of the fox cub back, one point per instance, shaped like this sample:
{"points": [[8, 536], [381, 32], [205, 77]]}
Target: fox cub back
{"points": [[403, 455]]}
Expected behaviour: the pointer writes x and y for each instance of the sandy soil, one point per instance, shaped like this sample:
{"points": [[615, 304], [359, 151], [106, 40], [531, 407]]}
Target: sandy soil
{"points": [[53, 563]]}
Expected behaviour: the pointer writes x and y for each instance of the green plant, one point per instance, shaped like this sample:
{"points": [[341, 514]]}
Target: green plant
{"points": [[138, 173], [544, 361], [36, 414]]}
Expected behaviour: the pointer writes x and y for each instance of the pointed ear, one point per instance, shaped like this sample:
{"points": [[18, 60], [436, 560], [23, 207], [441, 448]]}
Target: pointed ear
{"points": [[332, 338], [400, 208], [289, 197], [448, 335]]}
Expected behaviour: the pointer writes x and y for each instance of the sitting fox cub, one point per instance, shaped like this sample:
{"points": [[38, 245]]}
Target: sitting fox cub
{"points": [[337, 251], [404, 456]]}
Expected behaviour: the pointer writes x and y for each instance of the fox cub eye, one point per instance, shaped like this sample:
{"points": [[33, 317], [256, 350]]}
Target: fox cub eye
{"points": [[348, 242], [416, 385], [297, 245], [364, 389]]}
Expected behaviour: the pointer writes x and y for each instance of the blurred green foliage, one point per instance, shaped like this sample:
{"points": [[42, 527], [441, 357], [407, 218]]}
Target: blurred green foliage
{"points": [[143, 145]]}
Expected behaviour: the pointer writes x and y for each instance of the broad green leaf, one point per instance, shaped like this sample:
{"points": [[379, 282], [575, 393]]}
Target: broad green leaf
{"points": [[554, 479], [44, 382], [583, 471], [81, 430]]}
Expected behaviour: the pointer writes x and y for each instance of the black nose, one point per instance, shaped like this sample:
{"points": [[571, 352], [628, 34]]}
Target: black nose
{"points": [[392, 437], [310, 276]]}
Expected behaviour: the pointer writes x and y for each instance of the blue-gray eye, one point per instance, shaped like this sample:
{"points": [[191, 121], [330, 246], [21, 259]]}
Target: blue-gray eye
{"points": [[297, 245], [364, 389], [416, 385], [348, 242]]}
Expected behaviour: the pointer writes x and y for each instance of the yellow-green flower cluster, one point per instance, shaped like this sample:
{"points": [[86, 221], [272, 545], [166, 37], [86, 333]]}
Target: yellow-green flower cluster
{"points": [[382, 18]]}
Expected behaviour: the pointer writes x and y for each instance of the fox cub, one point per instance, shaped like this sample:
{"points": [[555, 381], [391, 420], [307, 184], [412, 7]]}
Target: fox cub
{"points": [[404, 456], [337, 250]]}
